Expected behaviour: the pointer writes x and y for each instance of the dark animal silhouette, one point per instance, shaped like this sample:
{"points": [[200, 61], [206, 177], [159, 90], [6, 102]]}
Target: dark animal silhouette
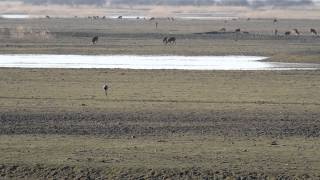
{"points": [[296, 31], [287, 33], [48, 17], [105, 88], [119, 17], [165, 40], [152, 18], [275, 20], [95, 39], [313, 31], [238, 30], [171, 40]]}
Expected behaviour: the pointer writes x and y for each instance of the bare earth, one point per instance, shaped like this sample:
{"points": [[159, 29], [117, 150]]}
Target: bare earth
{"points": [[159, 124]]}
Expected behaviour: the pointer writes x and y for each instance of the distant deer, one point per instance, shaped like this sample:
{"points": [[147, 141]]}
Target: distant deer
{"points": [[95, 39], [223, 30], [169, 40], [105, 88], [165, 40], [313, 31], [296, 31], [275, 20]]}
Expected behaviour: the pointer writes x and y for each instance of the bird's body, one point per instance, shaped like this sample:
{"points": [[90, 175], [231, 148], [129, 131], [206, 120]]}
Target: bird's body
{"points": [[105, 88]]}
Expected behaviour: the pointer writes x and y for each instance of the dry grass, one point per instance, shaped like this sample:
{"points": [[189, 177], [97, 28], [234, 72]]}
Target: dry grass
{"points": [[221, 120], [295, 156]]}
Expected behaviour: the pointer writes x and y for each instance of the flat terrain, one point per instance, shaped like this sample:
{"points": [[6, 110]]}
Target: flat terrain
{"points": [[159, 124], [181, 121], [73, 36]]}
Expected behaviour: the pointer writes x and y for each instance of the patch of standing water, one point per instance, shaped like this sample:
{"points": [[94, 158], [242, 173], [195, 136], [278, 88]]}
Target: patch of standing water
{"points": [[149, 62], [15, 16]]}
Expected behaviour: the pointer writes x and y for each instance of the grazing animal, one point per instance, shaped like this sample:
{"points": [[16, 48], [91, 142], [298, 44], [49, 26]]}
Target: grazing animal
{"points": [[313, 31], [165, 40], [223, 30], [105, 88], [95, 39], [296, 31], [169, 40], [275, 20], [287, 33]]}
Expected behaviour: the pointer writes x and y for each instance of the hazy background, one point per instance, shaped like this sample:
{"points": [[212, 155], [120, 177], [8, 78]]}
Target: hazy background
{"points": [[251, 3], [289, 9]]}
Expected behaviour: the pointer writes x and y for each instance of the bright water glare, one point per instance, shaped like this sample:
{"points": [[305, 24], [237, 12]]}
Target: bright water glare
{"points": [[149, 62]]}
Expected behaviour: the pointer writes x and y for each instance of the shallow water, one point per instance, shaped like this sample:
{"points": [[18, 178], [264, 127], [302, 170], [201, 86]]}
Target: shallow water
{"points": [[149, 62], [14, 16]]}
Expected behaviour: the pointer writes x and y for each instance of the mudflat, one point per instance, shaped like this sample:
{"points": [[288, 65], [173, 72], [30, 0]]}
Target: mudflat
{"points": [[159, 124]]}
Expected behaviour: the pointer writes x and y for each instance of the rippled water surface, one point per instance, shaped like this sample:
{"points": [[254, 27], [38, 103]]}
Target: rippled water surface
{"points": [[149, 62]]}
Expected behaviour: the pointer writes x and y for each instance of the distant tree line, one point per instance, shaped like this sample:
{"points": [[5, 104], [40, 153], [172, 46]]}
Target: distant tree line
{"points": [[256, 3]]}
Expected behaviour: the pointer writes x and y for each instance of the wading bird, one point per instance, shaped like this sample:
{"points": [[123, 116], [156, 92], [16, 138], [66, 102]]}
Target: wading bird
{"points": [[105, 88]]}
